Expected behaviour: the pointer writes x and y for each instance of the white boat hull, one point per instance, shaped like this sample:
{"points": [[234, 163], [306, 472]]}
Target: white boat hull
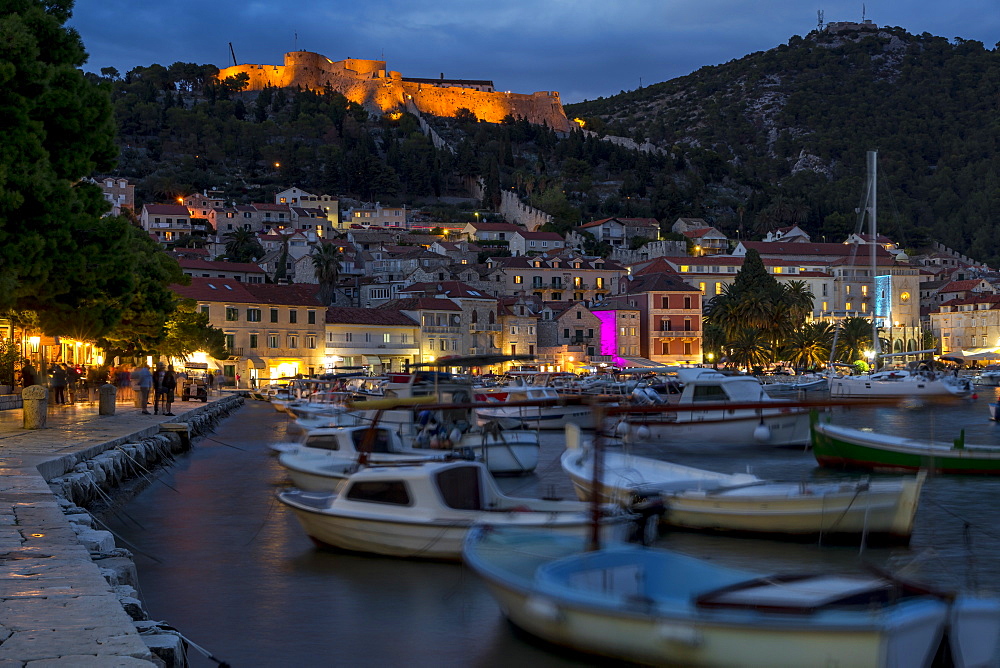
{"points": [[862, 387], [875, 509], [515, 453], [427, 538], [546, 417], [725, 428]]}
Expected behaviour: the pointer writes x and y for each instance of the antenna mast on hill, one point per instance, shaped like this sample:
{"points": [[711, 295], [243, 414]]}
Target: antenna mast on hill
{"points": [[233, 54], [819, 25]]}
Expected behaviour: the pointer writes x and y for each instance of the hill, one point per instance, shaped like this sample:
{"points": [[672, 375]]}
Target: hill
{"points": [[783, 134], [774, 138]]}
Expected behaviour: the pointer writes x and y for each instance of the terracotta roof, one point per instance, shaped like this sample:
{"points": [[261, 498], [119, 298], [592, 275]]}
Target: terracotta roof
{"points": [[497, 227], [209, 265], [661, 282], [266, 206], [974, 299], [368, 316], [701, 232], [627, 222], [812, 248], [540, 236], [166, 209], [421, 304], [961, 286], [237, 292], [452, 289]]}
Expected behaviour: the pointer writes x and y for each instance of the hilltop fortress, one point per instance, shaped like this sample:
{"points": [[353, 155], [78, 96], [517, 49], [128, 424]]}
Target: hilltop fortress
{"points": [[368, 83]]}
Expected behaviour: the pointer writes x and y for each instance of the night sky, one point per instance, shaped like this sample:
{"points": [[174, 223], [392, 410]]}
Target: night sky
{"points": [[583, 49]]}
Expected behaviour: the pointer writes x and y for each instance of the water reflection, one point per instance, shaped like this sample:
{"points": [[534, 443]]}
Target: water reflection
{"points": [[239, 576]]}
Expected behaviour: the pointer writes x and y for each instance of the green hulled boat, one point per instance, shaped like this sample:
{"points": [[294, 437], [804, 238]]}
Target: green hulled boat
{"points": [[843, 447]]}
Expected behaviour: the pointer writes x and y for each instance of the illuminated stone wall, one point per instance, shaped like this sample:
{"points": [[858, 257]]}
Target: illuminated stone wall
{"points": [[367, 82]]}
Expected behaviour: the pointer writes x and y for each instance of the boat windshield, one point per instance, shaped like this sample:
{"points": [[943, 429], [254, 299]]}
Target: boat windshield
{"points": [[382, 442], [459, 488], [322, 441]]}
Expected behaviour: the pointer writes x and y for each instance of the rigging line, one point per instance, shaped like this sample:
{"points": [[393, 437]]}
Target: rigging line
{"points": [[228, 445], [263, 523], [965, 521], [148, 476], [116, 508], [129, 543]]}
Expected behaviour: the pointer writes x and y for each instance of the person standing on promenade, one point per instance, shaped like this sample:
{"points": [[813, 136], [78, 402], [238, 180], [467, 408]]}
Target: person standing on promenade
{"points": [[58, 382], [209, 382], [144, 381], [168, 384], [158, 389], [27, 375]]}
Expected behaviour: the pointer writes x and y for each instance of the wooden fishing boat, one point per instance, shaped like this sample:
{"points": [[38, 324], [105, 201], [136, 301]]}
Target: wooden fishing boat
{"points": [[696, 499], [660, 607], [843, 447]]}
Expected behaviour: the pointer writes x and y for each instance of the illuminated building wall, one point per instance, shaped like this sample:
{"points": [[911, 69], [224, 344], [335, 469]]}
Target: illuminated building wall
{"points": [[367, 82], [609, 335]]}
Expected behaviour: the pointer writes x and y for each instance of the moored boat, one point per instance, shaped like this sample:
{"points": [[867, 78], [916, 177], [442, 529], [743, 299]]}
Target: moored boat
{"points": [[661, 607], [881, 510], [554, 416], [693, 421], [424, 510], [843, 447]]}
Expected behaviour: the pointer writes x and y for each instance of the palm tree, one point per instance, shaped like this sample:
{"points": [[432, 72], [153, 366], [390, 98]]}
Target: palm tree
{"points": [[809, 345], [326, 259], [242, 246], [854, 338], [798, 299], [750, 348]]}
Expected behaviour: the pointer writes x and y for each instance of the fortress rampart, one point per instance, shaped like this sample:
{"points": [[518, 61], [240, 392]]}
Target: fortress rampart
{"points": [[367, 82]]}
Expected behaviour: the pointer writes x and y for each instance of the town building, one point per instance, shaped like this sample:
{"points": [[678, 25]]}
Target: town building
{"points": [[567, 277], [376, 340], [272, 331], [621, 232], [167, 222], [523, 242]]}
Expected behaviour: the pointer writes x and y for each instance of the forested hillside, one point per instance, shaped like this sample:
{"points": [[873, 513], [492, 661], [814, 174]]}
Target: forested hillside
{"points": [[774, 138], [790, 126]]}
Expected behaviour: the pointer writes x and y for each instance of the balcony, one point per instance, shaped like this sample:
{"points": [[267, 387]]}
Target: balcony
{"points": [[475, 327], [580, 340], [437, 329], [370, 345], [668, 333], [484, 350]]}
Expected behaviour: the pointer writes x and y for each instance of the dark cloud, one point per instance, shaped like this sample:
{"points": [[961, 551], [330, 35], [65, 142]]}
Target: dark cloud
{"points": [[584, 49]]}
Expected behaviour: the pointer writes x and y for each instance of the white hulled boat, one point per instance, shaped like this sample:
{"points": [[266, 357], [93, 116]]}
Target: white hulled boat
{"points": [[425, 510], [881, 510], [770, 423]]}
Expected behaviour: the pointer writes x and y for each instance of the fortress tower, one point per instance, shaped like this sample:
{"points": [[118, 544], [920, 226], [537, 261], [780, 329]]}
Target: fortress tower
{"points": [[367, 82]]}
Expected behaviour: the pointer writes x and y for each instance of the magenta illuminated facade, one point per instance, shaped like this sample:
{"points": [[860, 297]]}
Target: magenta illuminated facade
{"points": [[609, 335]]}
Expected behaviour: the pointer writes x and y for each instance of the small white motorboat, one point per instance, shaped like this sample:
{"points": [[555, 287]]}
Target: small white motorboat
{"points": [[553, 416], [700, 415], [659, 607], [836, 511], [424, 510], [329, 454]]}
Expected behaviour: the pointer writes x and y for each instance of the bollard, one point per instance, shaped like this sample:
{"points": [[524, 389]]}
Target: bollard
{"points": [[108, 396], [36, 407]]}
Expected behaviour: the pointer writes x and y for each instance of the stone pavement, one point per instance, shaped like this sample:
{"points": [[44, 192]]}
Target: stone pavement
{"points": [[56, 609]]}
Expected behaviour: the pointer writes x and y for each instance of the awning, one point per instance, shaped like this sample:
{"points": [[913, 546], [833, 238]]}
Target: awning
{"points": [[641, 361], [979, 354], [257, 362], [374, 361]]}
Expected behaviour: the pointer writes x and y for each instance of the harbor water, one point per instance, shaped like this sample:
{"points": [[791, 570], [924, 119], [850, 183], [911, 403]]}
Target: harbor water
{"points": [[228, 566]]}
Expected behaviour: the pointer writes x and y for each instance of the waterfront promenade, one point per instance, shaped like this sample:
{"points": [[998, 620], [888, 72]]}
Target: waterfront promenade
{"points": [[56, 608]]}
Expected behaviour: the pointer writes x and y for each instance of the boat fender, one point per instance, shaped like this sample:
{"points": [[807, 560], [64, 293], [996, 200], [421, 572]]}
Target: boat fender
{"points": [[642, 433], [762, 433], [621, 429], [455, 436]]}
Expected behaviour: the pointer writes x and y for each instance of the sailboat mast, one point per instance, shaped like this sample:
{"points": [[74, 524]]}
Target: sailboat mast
{"points": [[873, 230]]}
